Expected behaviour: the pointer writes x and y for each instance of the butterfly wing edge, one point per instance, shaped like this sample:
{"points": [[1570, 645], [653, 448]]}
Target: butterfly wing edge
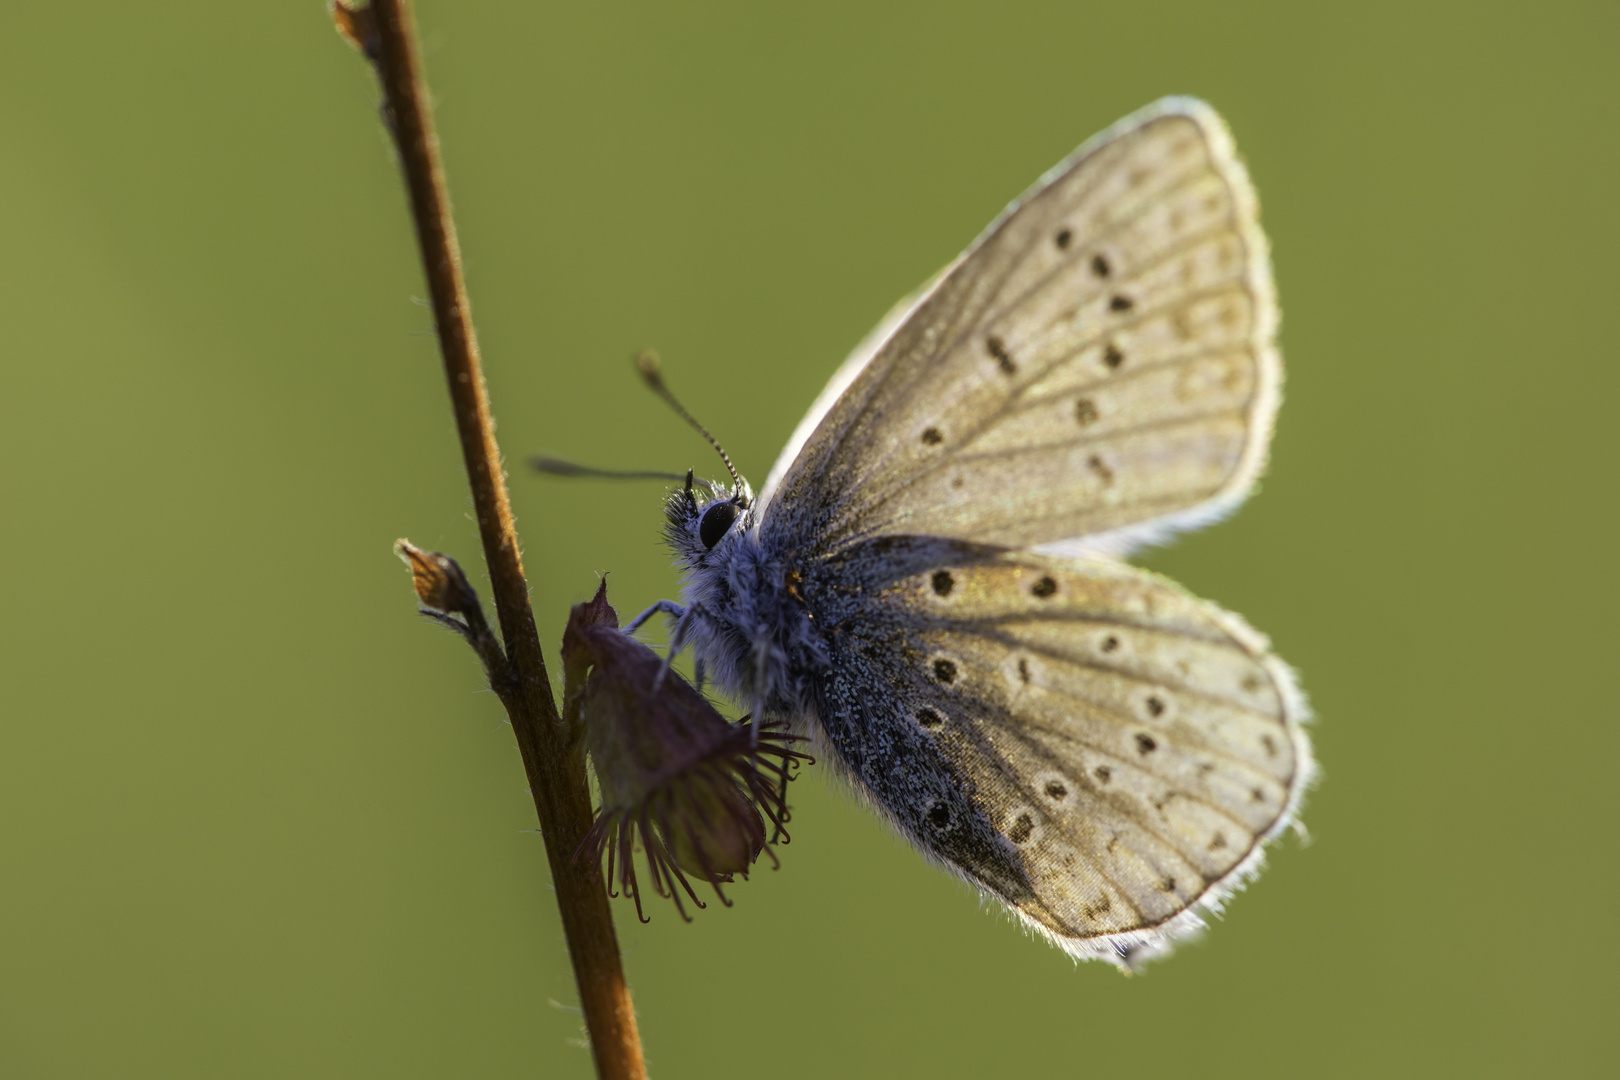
{"points": [[841, 379], [1133, 949], [1252, 461]]}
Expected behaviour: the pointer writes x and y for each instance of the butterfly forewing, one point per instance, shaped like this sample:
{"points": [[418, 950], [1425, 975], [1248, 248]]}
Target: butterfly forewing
{"points": [[1102, 358], [1124, 747]]}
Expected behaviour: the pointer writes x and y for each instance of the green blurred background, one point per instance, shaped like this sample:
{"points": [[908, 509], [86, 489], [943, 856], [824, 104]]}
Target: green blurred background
{"points": [[259, 819]]}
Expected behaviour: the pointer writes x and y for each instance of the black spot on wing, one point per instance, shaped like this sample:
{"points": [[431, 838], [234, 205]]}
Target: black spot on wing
{"points": [[998, 349]]}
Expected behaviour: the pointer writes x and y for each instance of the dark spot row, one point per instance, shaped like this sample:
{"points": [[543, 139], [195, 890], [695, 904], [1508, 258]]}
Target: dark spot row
{"points": [[1085, 409], [1099, 263]]}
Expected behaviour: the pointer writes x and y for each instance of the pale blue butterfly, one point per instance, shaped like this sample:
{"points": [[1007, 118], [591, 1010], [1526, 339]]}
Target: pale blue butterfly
{"points": [[930, 582]]}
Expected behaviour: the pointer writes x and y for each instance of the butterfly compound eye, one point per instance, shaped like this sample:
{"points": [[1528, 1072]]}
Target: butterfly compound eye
{"points": [[716, 522]]}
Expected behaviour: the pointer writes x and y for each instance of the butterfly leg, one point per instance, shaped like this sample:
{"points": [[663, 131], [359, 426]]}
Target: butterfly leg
{"points": [[666, 607], [677, 640]]}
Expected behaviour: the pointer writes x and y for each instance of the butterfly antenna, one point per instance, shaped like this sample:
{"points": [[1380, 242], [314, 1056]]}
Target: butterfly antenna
{"points": [[647, 365], [558, 467]]}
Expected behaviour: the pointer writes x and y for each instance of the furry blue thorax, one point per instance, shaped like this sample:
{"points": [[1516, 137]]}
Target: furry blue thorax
{"points": [[742, 612]]}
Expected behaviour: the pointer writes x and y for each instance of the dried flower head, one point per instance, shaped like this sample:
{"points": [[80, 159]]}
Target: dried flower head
{"points": [[358, 25], [449, 600], [439, 582], [674, 775]]}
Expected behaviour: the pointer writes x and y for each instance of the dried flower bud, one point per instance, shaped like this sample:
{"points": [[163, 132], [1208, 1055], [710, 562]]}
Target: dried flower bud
{"points": [[440, 584], [358, 25], [448, 599], [673, 773]]}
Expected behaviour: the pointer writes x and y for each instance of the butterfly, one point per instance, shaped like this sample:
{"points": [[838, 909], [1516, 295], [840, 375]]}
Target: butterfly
{"points": [[930, 582]]}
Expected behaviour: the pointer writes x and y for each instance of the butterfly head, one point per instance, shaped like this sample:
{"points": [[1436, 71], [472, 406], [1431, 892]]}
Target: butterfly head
{"points": [[705, 516]]}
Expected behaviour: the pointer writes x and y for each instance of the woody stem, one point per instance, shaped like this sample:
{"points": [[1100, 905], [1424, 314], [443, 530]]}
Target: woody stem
{"points": [[552, 759]]}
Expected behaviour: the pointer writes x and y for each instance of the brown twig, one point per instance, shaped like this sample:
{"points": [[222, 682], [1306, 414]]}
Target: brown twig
{"points": [[552, 757]]}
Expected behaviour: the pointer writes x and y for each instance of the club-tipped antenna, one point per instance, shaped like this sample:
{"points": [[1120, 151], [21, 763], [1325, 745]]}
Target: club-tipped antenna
{"points": [[558, 467], [647, 365]]}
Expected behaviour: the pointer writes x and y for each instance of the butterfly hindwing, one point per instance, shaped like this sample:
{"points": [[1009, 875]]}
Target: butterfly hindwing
{"points": [[1101, 360], [1085, 740]]}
